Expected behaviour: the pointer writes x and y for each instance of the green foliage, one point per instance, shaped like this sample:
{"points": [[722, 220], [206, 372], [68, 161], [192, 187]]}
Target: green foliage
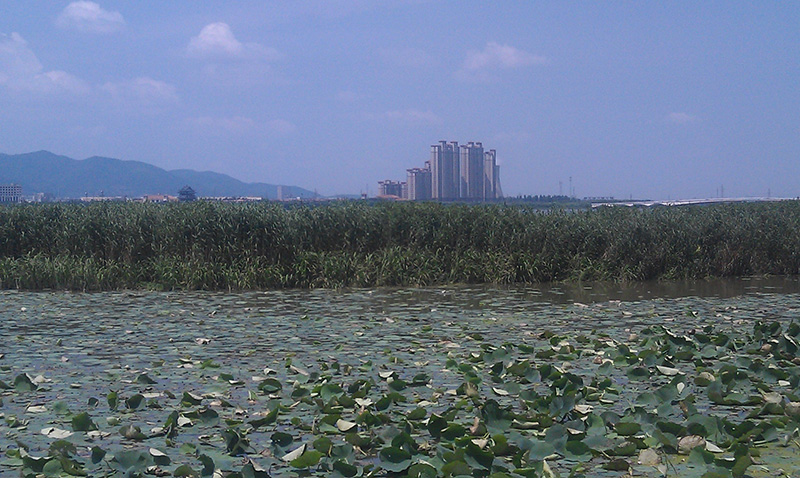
{"points": [[481, 398], [217, 246]]}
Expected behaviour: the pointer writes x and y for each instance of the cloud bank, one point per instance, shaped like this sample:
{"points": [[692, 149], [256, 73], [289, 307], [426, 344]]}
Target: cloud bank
{"points": [[495, 55], [142, 94], [89, 17], [216, 41], [481, 65], [21, 71]]}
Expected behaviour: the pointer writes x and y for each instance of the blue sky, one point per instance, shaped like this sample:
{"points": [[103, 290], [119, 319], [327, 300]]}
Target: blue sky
{"points": [[645, 99]]}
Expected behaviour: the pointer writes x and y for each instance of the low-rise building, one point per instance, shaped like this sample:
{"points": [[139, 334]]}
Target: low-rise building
{"points": [[159, 198], [10, 193], [187, 194]]}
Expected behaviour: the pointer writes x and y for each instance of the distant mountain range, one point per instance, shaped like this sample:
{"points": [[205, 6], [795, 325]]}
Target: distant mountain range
{"points": [[63, 177]]}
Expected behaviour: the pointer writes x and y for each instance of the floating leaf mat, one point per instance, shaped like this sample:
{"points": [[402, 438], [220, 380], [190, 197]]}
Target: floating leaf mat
{"points": [[413, 382]]}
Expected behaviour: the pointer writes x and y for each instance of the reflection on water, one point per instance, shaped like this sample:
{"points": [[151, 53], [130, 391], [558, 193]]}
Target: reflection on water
{"points": [[469, 296], [720, 288], [572, 306], [529, 297]]}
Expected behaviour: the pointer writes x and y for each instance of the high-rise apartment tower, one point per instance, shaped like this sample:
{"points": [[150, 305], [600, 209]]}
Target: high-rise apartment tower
{"points": [[419, 183], [466, 172], [471, 186], [390, 188], [445, 170], [490, 175]]}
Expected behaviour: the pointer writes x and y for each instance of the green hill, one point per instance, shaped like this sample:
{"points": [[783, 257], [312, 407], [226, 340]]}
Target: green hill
{"points": [[64, 177]]}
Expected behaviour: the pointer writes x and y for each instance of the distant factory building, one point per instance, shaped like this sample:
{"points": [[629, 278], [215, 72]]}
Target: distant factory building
{"points": [[10, 193]]}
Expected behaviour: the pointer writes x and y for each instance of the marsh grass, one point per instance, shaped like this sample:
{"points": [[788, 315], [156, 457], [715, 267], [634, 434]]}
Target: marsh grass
{"points": [[218, 246]]}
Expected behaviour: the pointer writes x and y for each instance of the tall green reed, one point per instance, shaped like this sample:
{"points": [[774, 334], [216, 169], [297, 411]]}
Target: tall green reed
{"points": [[220, 246]]}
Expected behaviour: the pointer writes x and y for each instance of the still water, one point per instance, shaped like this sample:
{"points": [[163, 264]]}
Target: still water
{"points": [[135, 324], [92, 331], [86, 346]]}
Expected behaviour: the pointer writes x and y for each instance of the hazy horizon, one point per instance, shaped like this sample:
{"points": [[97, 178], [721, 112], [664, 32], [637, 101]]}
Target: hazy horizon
{"points": [[650, 100]]}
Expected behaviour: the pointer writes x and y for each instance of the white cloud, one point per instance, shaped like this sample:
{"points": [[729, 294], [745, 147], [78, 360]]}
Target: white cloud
{"points": [[142, 93], [89, 17], [495, 55], [216, 41], [681, 118], [240, 125], [412, 116], [61, 81], [480, 64], [17, 61], [21, 71]]}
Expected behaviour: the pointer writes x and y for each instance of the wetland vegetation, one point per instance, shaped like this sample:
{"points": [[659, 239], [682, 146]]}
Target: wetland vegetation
{"points": [[216, 246], [461, 381], [456, 381]]}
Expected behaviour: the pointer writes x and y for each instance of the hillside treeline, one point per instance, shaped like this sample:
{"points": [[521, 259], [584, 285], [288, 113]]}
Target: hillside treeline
{"points": [[219, 246]]}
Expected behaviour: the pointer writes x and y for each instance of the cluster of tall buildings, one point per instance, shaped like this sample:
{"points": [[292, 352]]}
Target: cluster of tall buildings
{"points": [[454, 172]]}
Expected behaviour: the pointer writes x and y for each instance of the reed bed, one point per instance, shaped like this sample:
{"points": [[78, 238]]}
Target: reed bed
{"points": [[219, 246]]}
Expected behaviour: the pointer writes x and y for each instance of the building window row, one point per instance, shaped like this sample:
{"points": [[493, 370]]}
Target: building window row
{"points": [[10, 193]]}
